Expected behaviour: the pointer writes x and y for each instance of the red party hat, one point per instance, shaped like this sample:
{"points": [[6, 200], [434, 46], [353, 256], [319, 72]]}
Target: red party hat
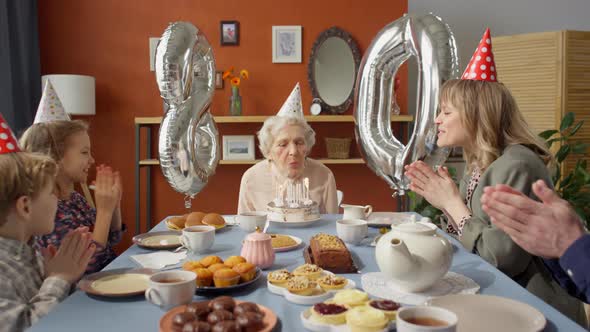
{"points": [[482, 67], [8, 142]]}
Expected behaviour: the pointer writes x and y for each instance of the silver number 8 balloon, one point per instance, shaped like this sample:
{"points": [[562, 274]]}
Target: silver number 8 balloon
{"points": [[431, 42], [188, 143]]}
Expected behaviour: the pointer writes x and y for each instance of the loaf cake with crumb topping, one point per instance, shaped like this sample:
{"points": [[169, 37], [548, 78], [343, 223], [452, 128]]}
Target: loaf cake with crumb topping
{"points": [[330, 253]]}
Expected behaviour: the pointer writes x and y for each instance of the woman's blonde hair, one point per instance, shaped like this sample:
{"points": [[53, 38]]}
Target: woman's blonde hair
{"points": [[51, 138], [491, 117], [274, 124], [23, 174]]}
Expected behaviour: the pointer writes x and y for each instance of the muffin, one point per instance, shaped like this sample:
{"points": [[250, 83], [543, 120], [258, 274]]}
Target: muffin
{"points": [[301, 285], [194, 219], [214, 219], [176, 223], [210, 260], [388, 307], [231, 261], [366, 319], [217, 266], [246, 270], [191, 265], [311, 271], [350, 297], [204, 277], [329, 313], [279, 277], [226, 277], [332, 282]]}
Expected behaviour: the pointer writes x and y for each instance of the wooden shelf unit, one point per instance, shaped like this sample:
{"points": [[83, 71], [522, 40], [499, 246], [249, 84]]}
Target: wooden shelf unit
{"points": [[261, 118], [153, 162], [149, 122]]}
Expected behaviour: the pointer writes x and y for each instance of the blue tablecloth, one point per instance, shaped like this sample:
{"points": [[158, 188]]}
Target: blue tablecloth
{"points": [[81, 312]]}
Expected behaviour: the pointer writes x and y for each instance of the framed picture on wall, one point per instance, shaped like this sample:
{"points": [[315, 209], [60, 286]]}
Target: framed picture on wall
{"points": [[238, 147], [286, 44], [218, 80], [230, 33]]}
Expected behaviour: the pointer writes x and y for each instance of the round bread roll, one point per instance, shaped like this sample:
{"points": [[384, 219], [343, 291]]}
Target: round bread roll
{"points": [[214, 219], [194, 219], [177, 222]]}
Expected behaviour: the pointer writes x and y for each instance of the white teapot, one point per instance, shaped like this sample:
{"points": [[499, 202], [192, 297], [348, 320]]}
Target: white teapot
{"points": [[414, 256]]}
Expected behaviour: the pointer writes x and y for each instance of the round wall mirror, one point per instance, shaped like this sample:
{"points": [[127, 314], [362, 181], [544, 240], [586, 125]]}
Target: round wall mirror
{"points": [[332, 69]]}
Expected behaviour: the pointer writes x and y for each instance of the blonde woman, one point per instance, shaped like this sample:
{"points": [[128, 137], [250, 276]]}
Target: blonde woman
{"points": [[481, 116]]}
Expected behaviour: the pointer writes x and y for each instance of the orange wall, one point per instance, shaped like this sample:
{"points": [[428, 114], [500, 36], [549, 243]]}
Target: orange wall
{"points": [[108, 39]]}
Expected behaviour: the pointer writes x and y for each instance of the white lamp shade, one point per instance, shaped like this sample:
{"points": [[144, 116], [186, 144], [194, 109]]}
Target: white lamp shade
{"points": [[76, 92]]}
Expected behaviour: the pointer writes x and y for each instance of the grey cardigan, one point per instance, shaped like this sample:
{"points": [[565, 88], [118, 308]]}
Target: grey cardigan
{"points": [[518, 167]]}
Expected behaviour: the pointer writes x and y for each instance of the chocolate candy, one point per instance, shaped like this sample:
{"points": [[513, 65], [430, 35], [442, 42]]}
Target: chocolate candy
{"points": [[222, 302], [199, 309], [196, 326], [250, 320], [226, 326], [246, 307], [218, 316], [182, 318]]}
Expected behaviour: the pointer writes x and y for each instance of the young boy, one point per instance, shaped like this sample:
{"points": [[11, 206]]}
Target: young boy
{"points": [[30, 285]]}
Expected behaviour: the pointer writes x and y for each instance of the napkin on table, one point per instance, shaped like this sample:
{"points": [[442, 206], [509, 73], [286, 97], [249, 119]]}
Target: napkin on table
{"points": [[159, 259]]}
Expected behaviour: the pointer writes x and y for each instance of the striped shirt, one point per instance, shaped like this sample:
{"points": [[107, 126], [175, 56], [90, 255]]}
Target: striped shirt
{"points": [[25, 294]]}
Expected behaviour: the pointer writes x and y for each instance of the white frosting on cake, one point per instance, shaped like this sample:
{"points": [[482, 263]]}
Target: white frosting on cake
{"points": [[292, 203], [287, 214]]}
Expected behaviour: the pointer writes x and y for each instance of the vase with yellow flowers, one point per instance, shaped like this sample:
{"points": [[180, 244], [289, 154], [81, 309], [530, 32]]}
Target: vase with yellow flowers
{"points": [[235, 100]]}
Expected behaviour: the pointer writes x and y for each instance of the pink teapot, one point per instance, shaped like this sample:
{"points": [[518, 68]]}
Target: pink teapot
{"points": [[257, 249]]}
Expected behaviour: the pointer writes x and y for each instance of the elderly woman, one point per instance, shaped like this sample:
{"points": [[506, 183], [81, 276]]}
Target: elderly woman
{"points": [[285, 142]]}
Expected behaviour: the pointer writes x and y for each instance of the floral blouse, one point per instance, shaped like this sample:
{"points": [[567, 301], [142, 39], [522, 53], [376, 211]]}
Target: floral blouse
{"points": [[457, 228], [74, 213]]}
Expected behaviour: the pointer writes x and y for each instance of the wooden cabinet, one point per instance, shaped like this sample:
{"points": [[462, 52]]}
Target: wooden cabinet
{"points": [[549, 75]]}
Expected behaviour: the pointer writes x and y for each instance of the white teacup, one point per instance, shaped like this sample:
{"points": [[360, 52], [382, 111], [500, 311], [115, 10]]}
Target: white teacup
{"points": [[426, 319], [352, 231], [248, 221], [169, 289], [356, 211], [198, 238]]}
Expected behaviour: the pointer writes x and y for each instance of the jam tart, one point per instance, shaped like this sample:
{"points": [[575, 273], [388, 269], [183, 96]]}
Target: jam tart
{"points": [[329, 313]]}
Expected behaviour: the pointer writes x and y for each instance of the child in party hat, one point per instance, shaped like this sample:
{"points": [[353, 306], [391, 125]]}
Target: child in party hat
{"points": [[68, 143], [285, 140], [480, 115], [32, 286]]}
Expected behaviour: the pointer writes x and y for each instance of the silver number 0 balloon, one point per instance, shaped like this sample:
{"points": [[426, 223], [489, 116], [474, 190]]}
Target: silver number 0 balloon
{"points": [[431, 42], [188, 143]]}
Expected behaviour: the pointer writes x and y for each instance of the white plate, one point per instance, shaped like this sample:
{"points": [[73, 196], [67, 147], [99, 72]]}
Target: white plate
{"points": [[379, 285], [158, 240], [311, 299], [485, 313], [386, 219], [320, 327], [117, 282], [301, 223], [297, 240]]}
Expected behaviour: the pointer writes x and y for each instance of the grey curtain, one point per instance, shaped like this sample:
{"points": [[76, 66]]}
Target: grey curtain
{"points": [[20, 72]]}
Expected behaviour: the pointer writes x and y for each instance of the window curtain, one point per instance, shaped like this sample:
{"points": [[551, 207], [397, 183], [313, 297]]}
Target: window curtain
{"points": [[20, 69]]}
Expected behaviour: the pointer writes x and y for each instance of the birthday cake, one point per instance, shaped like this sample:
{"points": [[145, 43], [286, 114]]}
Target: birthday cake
{"points": [[292, 203]]}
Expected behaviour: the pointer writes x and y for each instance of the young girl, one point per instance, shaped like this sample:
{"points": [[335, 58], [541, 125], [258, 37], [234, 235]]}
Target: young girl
{"points": [[68, 143], [31, 286], [481, 116]]}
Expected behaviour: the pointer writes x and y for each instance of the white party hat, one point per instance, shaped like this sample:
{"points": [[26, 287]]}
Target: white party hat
{"points": [[292, 106], [50, 107]]}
